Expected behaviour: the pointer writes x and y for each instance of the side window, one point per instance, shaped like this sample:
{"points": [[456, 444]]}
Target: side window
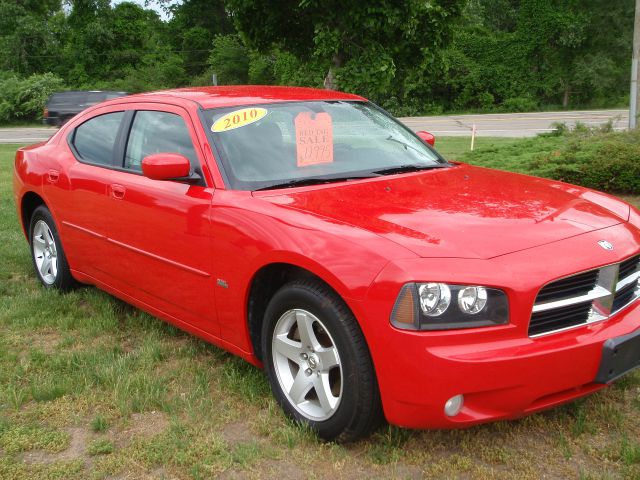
{"points": [[157, 132], [94, 139]]}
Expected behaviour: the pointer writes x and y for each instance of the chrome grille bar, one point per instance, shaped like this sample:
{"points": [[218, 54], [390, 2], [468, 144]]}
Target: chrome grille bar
{"points": [[608, 296]]}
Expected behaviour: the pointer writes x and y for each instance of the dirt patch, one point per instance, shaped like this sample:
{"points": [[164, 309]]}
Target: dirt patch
{"points": [[77, 449], [45, 341], [235, 475], [237, 432], [87, 307], [142, 425], [278, 469]]}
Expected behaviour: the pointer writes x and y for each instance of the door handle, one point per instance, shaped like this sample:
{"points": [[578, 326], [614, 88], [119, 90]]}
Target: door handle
{"points": [[53, 176], [117, 191]]}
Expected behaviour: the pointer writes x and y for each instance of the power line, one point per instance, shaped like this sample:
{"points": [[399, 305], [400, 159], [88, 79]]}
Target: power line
{"points": [[105, 54]]}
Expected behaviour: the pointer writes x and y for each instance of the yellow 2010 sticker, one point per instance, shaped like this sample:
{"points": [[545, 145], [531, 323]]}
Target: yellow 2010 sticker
{"points": [[238, 118]]}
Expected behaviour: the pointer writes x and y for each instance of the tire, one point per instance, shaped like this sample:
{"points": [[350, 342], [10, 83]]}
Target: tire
{"points": [[49, 260], [318, 363]]}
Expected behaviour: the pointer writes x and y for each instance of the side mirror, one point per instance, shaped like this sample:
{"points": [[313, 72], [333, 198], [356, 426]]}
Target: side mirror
{"points": [[166, 166], [427, 137]]}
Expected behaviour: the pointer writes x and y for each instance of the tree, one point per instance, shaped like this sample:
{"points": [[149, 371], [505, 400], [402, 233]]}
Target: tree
{"points": [[193, 27], [29, 34], [365, 46]]}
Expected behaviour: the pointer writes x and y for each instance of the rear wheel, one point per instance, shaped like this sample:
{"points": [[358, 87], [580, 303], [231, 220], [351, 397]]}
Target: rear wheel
{"points": [[318, 363], [47, 254]]}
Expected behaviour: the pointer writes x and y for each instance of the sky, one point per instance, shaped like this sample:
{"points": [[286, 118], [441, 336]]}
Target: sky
{"points": [[150, 4]]}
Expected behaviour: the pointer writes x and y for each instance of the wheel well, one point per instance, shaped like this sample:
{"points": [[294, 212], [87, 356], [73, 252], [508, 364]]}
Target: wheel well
{"points": [[266, 282], [30, 201]]}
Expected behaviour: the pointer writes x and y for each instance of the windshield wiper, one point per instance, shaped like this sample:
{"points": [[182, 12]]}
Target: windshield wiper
{"points": [[302, 182], [407, 168], [405, 145]]}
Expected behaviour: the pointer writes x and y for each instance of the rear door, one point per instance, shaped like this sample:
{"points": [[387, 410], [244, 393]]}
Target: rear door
{"points": [[159, 231], [85, 203]]}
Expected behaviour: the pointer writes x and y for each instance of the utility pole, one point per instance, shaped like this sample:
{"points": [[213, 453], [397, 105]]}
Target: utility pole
{"points": [[634, 107]]}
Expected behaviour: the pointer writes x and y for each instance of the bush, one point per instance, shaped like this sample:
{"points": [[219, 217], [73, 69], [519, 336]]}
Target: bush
{"points": [[520, 104], [604, 161], [25, 99], [592, 157]]}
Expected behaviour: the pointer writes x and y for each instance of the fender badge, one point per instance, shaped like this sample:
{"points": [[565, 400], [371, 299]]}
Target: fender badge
{"points": [[606, 245]]}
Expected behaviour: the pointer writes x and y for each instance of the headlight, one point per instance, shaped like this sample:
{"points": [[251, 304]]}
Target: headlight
{"points": [[472, 300], [434, 298], [441, 306]]}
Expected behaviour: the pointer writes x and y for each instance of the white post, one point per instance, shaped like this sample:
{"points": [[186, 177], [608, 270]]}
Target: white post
{"points": [[473, 132], [635, 97]]}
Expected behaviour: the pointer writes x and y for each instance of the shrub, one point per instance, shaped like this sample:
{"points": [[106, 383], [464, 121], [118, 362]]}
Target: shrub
{"points": [[604, 161], [25, 98], [520, 104], [593, 157]]}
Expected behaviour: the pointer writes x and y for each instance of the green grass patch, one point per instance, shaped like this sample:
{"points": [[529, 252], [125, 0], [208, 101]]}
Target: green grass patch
{"points": [[19, 438], [100, 446], [93, 388], [99, 423]]}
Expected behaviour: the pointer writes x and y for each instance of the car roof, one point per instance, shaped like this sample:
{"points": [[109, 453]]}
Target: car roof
{"points": [[232, 95]]}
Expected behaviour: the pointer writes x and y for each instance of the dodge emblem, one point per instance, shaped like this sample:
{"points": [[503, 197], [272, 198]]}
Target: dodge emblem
{"points": [[606, 245]]}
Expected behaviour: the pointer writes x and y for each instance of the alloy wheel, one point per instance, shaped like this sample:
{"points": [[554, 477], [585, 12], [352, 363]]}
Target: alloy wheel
{"points": [[45, 252], [307, 364]]}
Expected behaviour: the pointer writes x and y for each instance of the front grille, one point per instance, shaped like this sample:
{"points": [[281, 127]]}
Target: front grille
{"points": [[574, 286], [629, 266], [559, 318], [624, 296], [585, 297]]}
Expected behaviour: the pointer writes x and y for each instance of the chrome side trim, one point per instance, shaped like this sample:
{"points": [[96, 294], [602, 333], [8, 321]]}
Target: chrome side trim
{"points": [[159, 258], [83, 230]]}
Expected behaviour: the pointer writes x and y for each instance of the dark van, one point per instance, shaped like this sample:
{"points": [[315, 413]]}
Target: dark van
{"points": [[62, 106]]}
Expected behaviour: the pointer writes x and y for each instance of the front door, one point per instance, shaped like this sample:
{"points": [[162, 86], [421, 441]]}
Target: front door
{"points": [[159, 231]]}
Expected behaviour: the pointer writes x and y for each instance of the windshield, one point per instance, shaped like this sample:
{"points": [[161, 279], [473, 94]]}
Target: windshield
{"points": [[290, 144]]}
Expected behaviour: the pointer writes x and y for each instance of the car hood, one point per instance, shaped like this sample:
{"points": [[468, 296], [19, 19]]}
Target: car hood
{"points": [[462, 211]]}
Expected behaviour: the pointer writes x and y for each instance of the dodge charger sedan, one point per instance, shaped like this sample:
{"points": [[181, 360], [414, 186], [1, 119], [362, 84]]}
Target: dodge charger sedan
{"points": [[315, 236]]}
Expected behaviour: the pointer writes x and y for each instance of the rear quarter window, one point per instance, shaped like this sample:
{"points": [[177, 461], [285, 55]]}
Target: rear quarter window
{"points": [[95, 139]]}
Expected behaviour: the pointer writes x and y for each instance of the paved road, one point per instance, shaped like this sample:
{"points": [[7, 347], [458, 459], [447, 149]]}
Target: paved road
{"points": [[488, 125], [513, 124], [26, 135]]}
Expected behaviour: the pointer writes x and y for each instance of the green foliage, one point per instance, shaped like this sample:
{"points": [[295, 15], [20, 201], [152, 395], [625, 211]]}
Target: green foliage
{"points": [[551, 52], [411, 57], [369, 48], [25, 99], [606, 162], [594, 158], [229, 59]]}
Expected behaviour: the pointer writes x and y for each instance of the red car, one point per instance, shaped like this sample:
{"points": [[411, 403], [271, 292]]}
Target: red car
{"points": [[310, 233]]}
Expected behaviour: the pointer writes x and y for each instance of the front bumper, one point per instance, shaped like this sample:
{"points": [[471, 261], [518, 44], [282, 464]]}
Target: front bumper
{"points": [[501, 371], [499, 380]]}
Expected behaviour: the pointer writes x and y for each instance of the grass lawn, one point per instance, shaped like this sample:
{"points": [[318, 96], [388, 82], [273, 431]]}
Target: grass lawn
{"points": [[93, 388]]}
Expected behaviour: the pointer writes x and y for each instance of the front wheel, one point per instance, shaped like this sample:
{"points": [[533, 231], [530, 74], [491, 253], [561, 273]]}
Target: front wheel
{"points": [[318, 363], [48, 257]]}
